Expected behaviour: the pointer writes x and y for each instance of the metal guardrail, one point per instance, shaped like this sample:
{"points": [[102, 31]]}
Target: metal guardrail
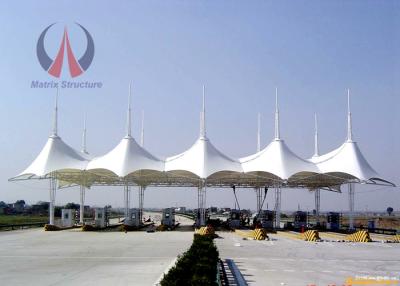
{"points": [[193, 217], [374, 230], [239, 279], [222, 278], [380, 230], [22, 225]]}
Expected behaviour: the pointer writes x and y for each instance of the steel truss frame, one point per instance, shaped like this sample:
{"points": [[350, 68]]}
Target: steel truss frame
{"points": [[313, 181]]}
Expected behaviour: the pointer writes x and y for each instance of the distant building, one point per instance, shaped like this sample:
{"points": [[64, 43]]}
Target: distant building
{"points": [[40, 208], [18, 206], [181, 210], [86, 211], [3, 207]]}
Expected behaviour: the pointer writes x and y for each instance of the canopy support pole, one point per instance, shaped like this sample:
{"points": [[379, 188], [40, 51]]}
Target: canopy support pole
{"points": [[53, 187], [317, 205], [141, 201], [236, 200], [82, 204], [201, 200], [351, 189], [198, 206], [204, 203], [278, 192], [127, 195], [259, 199]]}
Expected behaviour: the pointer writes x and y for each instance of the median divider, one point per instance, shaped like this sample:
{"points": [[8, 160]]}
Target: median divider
{"points": [[256, 234], [359, 236]]}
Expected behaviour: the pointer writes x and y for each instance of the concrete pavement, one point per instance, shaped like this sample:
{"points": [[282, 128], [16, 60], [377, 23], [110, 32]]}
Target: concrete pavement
{"points": [[72, 257], [290, 261]]}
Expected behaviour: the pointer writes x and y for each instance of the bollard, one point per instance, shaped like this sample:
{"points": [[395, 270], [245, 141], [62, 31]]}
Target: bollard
{"points": [[260, 234], [359, 236], [205, 230], [310, 235], [256, 234]]}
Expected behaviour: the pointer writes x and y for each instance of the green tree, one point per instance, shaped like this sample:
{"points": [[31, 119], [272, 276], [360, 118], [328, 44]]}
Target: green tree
{"points": [[72, 206]]}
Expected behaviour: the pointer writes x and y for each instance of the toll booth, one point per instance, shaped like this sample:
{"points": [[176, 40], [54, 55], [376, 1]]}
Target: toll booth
{"points": [[266, 219], [168, 217], [371, 225], [234, 219], [99, 217], [300, 220], [66, 218], [333, 221], [133, 218], [76, 216], [197, 213]]}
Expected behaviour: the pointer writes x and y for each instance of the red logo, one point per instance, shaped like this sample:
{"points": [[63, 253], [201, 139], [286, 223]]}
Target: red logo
{"points": [[54, 66]]}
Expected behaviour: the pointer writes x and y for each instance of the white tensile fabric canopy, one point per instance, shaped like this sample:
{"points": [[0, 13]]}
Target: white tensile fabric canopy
{"points": [[275, 165], [347, 161], [277, 160], [127, 158], [56, 156], [202, 160]]}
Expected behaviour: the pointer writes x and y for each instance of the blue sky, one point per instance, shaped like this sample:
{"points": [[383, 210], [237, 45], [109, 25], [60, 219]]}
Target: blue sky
{"points": [[311, 50]]}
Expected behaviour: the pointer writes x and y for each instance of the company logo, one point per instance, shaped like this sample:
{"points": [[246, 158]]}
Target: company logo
{"points": [[54, 66]]}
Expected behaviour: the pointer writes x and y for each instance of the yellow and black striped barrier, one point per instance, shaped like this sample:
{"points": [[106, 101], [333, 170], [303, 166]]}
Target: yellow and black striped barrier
{"points": [[256, 234], [310, 235], [244, 232], [396, 238], [359, 236], [260, 234], [205, 230]]}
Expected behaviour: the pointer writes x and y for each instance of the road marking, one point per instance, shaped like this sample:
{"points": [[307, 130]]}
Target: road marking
{"points": [[84, 257], [330, 244], [266, 242], [289, 235], [316, 260], [288, 270], [166, 271], [270, 270]]}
